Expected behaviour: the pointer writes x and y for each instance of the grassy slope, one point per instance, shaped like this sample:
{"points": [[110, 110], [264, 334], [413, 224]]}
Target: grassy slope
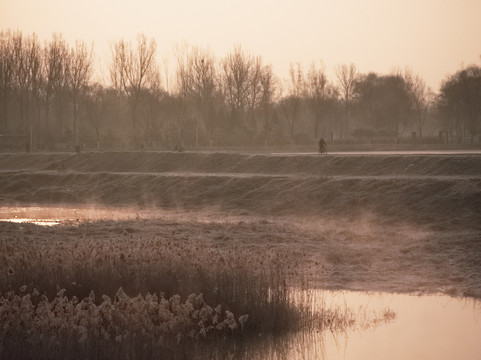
{"points": [[438, 190]]}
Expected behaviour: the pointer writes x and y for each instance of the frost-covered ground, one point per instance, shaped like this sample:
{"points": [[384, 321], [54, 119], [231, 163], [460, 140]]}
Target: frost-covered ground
{"points": [[387, 222]]}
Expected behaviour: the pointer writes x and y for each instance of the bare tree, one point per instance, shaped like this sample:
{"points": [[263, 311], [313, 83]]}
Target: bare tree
{"points": [[166, 74], [27, 79], [383, 102], [131, 71], [205, 90], [56, 72], [420, 97], [241, 84], [7, 73], [459, 103], [152, 110], [319, 94], [346, 77], [291, 104], [269, 94], [183, 74], [79, 75], [198, 81], [35, 81], [181, 103], [97, 105], [21, 78], [255, 93]]}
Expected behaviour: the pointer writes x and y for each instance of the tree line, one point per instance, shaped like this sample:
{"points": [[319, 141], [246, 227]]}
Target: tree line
{"points": [[50, 100]]}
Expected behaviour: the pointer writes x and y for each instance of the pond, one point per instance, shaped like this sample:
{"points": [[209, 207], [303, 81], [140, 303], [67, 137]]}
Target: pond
{"points": [[424, 327]]}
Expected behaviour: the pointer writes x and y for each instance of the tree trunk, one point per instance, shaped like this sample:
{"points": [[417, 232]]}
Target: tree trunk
{"points": [[4, 124], [76, 133]]}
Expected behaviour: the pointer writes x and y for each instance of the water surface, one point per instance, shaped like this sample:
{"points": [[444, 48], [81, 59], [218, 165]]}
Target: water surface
{"points": [[425, 327]]}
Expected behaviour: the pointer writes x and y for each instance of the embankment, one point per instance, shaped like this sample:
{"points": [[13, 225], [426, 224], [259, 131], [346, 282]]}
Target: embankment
{"points": [[437, 190]]}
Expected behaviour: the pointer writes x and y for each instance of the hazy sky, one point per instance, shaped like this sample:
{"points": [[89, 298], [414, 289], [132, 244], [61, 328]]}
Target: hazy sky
{"points": [[432, 37]]}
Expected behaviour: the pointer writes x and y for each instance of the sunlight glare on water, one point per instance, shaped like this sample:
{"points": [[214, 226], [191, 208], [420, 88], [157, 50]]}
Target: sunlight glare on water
{"points": [[54, 215], [41, 222]]}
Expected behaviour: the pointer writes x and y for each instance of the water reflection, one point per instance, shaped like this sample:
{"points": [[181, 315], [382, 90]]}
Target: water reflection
{"points": [[41, 222], [428, 327], [53, 215], [425, 327]]}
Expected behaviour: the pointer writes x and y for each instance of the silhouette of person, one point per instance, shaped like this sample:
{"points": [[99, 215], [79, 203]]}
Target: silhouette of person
{"points": [[322, 145]]}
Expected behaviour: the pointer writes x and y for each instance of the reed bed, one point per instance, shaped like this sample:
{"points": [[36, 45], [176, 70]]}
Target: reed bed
{"points": [[80, 293]]}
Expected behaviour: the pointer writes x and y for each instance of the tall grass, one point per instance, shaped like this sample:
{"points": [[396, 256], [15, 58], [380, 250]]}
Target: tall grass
{"points": [[132, 296], [138, 296]]}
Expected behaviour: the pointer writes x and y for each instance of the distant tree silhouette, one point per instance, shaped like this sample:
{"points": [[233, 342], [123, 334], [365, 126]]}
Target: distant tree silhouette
{"points": [[152, 102], [319, 94], [97, 103], [383, 104], [46, 98], [346, 77], [240, 81], [270, 93], [132, 70], [198, 82], [291, 103], [7, 76], [56, 69], [421, 98], [79, 75], [459, 103], [34, 89]]}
